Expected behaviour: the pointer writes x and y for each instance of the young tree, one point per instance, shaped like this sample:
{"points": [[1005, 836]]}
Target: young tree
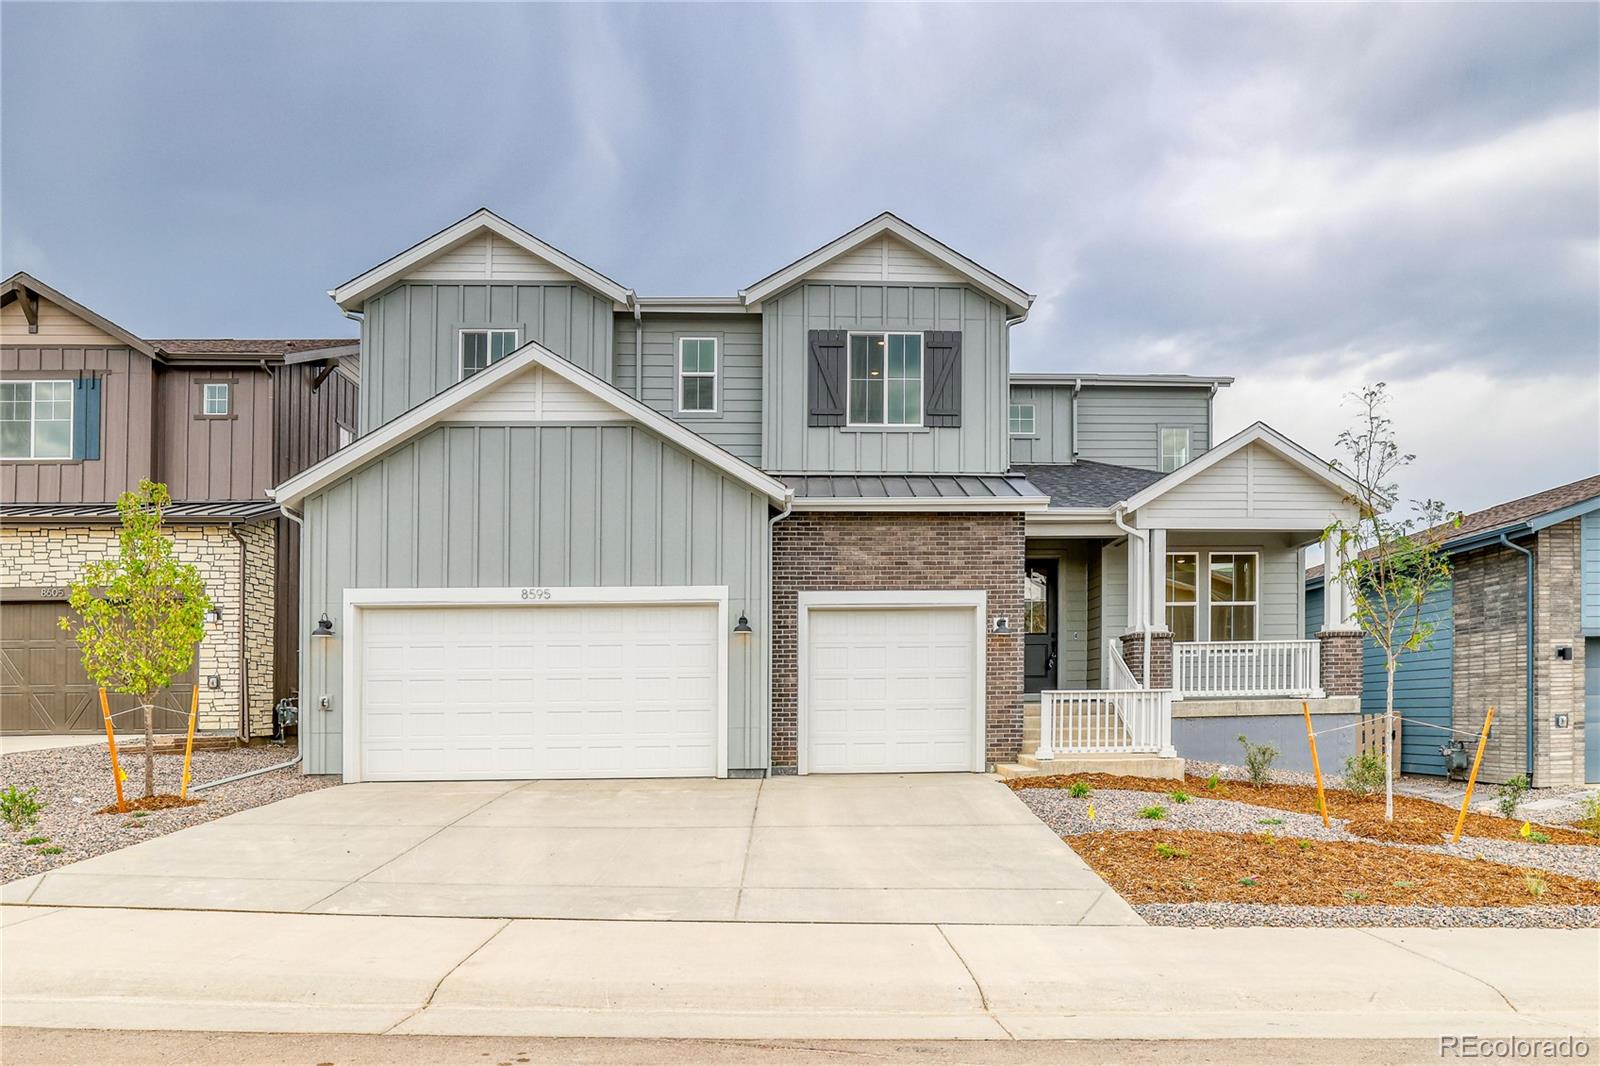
{"points": [[1390, 564], [141, 612]]}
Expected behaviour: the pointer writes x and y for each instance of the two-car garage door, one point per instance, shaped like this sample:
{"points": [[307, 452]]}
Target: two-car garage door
{"points": [[500, 692]]}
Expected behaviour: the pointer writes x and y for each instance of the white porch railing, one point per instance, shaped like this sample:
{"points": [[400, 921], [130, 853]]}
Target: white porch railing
{"points": [[1107, 721], [1245, 668]]}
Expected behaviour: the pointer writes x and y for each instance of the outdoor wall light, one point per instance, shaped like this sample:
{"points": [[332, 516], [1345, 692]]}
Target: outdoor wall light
{"points": [[742, 625], [1002, 625], [324, 626], [213, 614]]}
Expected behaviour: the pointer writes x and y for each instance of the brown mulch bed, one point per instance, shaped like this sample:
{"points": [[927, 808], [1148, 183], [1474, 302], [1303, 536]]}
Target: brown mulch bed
{"points": [[1312, 873], [1416, 820], [150, 803]]}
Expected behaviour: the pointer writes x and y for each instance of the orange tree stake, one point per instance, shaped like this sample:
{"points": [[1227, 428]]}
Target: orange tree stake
{"points": [[188, 747], [1316, 767], [1483, 741], [111, 738]]}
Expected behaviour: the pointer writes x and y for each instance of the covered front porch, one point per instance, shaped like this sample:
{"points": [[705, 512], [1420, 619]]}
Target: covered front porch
{"points": [[1167, 624]]}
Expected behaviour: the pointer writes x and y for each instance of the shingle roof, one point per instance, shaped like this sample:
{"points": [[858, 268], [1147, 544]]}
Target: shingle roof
{"points": [[1087, 484], [910, 486], [1510, 513], [204, 511], [232, 346]]}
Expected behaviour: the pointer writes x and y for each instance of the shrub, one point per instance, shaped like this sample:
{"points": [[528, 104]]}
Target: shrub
{"points": [[1213, 783], [1270, 821], [1538, 837], [1178, 795], [1305, 845], [1079, 789], [20, 807], [49, 851], [1354, 895], [36, 840], [1363, 774], [1248, 882], [1155, 814], [1167, 851], [1536, 885], [1511, 794], [1590, 822], [1258, 760], [1405, 884]]}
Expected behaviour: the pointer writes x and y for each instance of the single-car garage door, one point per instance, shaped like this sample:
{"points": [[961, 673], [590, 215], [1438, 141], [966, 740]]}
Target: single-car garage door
{"points": [[497, 692], [890, 690]]}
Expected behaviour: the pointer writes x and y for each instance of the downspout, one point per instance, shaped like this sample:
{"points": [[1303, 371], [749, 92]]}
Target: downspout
{"points": [[244, 665], [1077, 387], [1211, 435], [638, 346], [766, 655], [1134, 534], [1528, 567]]}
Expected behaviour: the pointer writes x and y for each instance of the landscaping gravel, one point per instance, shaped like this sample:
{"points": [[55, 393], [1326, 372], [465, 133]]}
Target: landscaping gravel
{"points": [[1249, 914], [73, 783]]}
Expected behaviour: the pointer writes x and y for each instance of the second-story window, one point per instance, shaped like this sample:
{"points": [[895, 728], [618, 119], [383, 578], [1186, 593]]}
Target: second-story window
{"points": [[697, 374], [35, 419], [480, 347], [1022, 420], [215, 399], [1174, 447], [885, 379]]}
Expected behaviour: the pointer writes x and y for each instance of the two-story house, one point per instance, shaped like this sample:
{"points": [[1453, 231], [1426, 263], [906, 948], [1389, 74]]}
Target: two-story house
{"points": [[813, 526], [87, 409]]}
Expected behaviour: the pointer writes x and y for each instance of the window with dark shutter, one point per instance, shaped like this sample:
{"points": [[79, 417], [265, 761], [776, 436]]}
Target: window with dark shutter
{"points": [[942, 378], [825, 377]]}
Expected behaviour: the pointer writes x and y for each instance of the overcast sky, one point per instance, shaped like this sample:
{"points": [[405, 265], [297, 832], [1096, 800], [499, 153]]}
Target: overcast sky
{"points": [[1308, 198]]}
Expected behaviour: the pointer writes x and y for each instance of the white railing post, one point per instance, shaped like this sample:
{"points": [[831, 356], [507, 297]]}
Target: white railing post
{"points": [[1047, 726], [1167, 751]]}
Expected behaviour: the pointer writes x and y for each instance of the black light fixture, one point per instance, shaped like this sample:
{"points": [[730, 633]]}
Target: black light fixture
{"points": [[324, 626], [742, 625]]}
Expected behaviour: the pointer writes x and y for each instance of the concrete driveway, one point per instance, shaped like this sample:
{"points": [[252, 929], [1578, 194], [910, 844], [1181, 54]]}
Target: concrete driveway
{"points": [[903, 849]]}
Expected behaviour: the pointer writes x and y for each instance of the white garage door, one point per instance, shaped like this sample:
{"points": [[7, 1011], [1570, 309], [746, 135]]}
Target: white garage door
{"points": [[890, 690], [451, 693]]}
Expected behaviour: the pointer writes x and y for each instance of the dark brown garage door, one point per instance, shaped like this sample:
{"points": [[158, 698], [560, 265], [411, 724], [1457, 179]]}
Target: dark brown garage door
{"points": [[43, 688]]}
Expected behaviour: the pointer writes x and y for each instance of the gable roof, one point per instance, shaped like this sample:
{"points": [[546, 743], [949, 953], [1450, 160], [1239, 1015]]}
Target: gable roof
{"points": [[351, 294], [25, 287], [1255, 433], [1016, 300], [533, 354]]}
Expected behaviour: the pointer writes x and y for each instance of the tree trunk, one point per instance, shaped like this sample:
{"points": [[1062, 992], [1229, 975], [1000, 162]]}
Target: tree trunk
{"points": [[1388, 741], [149, 749]]}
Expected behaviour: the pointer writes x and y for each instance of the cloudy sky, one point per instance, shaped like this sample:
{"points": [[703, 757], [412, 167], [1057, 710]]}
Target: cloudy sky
{"points": [[1308, 198]]}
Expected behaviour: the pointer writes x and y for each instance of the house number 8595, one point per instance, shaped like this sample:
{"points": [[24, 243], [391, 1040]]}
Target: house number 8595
{"points": [[536, 594]]}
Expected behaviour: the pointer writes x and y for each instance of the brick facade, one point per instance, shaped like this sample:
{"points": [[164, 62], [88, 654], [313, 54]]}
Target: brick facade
{"points": [[1340, 653], [1160, 656], [826, 551], [33, 556]]}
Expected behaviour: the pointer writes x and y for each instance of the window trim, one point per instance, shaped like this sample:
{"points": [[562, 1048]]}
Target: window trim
{"points": [[461, 346], [679, 374], [922, 379], [1254, 604], [33, 400], [1161, 450], [205, 398], [1167, 605], [1033, 420]]}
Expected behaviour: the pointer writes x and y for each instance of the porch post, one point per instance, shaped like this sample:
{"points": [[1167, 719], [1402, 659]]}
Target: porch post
{"points": [[1158, 579], [1138, 565], [1338, 610]]}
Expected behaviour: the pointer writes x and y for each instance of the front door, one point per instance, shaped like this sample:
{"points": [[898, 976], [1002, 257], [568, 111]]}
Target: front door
{"points": [[1039, 625]]}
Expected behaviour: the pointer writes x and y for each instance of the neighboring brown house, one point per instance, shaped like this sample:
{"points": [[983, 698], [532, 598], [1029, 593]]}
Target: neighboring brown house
{"points": [[87, 409]]}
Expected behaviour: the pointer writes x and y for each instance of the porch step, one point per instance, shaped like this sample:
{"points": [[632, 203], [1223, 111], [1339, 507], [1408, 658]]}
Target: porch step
{"points": [[1156, 766]]}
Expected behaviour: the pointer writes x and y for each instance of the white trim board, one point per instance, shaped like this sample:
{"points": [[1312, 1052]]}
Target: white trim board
{"points": [[358, 600], [889, 599]]}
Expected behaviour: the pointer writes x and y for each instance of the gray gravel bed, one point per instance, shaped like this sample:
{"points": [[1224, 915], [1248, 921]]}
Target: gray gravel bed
{"points": [[1253, 914], [1574, 860], [73, 783]]}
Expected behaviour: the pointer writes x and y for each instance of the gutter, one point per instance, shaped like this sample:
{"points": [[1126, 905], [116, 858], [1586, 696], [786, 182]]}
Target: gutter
{"points": [[1077, 387], [1528, 639], [1134, 534]]}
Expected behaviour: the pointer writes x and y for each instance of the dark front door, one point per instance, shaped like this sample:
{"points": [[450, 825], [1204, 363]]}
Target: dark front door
{"points": [[1039, 624]]}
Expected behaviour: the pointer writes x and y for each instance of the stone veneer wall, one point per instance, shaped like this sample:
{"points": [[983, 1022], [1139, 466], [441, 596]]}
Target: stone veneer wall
{"points": [[32, 556], [816, 551]]}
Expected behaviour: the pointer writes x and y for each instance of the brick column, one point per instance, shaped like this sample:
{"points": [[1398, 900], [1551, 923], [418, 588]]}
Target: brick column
{"points": [[1160, 656], [1341, 661]]}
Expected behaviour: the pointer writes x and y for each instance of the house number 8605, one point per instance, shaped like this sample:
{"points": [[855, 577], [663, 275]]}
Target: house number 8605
{"points": [[536, 594]]}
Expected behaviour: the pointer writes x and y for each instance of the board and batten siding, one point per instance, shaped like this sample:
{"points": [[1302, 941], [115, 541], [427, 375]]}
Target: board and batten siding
{"points": [[736, 425], [1589, 565], [1121, 425], [221, 458], [410, 344], [467, 506], [127, 437], [977, 446], [1051, 439]]}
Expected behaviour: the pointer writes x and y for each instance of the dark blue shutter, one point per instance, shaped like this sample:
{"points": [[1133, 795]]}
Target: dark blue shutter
{"points": [[941, 383], [86, 418], [825, 376]]}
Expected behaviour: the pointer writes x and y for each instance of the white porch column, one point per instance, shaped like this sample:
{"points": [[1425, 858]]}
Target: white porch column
{"points": [[1138, 574], [1157, 597], [1338, 606]]}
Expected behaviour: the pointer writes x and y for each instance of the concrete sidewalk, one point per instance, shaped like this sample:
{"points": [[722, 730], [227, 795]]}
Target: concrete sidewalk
{"points": [[254, 972]]}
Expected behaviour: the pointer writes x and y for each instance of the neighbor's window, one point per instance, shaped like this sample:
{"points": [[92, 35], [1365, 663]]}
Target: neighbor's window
{"points": [[1233, 595], [886, 379], [697, 374], [35, 419], [214, 398], [1183, 593], [1022, 419], [480, 347], [1174, 447]]}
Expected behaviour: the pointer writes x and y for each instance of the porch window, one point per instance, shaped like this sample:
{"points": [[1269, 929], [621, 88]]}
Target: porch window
{"points": [[1174, 447], [480, 347], [886, 379], [1233, 595], [1022, 420], [1183, 594]]}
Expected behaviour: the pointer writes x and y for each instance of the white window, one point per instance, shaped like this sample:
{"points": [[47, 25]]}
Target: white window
{"points": [[1022, 420], [480, 347], [697, 374], [1183, 593], [1174, 447], [214, 398], [35, 419], [1233, 595], [886, 379]]}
